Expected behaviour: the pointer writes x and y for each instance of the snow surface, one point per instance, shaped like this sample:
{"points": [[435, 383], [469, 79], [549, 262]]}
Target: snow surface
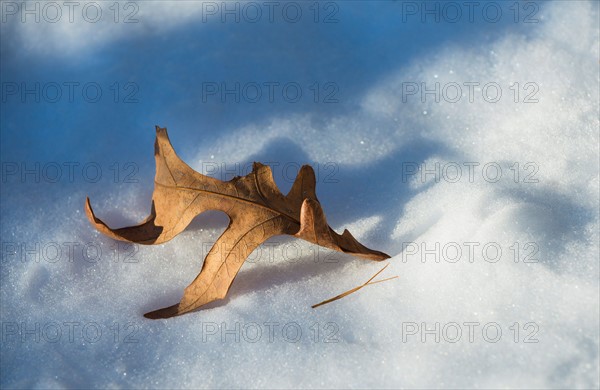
{"points": [[53, 303]]}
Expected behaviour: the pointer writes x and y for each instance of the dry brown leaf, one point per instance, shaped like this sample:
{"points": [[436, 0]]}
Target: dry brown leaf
{"points": [[256, 208]]}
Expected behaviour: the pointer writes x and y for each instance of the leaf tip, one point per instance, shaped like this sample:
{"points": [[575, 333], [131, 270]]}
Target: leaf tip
{"points": [[89, 211], [166, 312], [261, 168], [307, 168], [304, 184], [161, 133], [307, 174], [370, 254], [162, 144]]}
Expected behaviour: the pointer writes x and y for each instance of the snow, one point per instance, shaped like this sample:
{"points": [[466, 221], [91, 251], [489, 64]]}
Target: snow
{"points": [[489, 210]]}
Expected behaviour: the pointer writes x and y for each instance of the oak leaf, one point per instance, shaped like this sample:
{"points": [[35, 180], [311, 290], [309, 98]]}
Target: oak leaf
{"points": [[256, 208]]}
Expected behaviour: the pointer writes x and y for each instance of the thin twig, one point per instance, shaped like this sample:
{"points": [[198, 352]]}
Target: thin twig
{"points": [[382, 280], [368, 282]]}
